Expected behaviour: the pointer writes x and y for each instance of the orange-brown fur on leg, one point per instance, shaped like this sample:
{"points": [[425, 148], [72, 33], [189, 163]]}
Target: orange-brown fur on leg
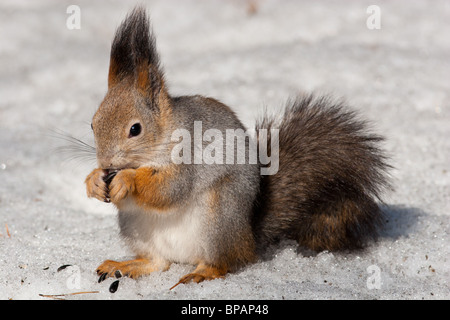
{"points": [[153, 187], [149, 187]]}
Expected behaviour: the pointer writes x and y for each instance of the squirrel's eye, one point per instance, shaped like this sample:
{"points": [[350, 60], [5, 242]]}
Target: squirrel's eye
{"points": [[135, 130]]}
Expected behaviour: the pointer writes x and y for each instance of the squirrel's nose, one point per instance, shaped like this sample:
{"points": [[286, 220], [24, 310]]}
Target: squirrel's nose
{"points": [[105, 162]]}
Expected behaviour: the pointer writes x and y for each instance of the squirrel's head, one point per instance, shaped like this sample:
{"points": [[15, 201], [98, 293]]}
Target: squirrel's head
{"points": [[131, 122]]}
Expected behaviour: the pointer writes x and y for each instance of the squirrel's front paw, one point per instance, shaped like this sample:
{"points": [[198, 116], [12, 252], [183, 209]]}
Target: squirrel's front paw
{"points": [[122, 185], [96, 186]]}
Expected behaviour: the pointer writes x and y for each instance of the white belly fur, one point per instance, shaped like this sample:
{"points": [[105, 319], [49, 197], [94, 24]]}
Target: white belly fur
{"points": [[174, 235]]}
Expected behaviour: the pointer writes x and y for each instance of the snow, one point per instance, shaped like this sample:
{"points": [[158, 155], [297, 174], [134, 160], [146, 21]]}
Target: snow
{"points": [[53, 78]]}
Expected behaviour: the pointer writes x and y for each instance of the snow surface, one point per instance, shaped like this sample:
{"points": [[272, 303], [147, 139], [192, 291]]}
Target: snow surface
{"points": [[250, 55]]}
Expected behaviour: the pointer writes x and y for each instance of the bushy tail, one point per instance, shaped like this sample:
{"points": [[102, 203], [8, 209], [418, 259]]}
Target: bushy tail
{"points": [[331, 172]]}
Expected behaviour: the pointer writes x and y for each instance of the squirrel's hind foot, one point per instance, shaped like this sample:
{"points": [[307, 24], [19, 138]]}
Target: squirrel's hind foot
{"points": [[201, 273]]}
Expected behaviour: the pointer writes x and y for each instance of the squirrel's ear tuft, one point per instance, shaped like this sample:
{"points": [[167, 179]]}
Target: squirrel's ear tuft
{"points": [[121, 62], [133, 54]]}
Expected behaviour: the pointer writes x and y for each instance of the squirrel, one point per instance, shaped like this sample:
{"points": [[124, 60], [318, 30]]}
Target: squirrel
{"points": [[219, 217]]}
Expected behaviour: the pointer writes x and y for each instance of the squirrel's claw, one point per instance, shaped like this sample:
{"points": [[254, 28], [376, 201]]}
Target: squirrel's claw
{"points": [[103, 276]]}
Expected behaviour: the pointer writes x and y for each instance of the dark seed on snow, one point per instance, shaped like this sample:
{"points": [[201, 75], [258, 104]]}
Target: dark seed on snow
{"points": [[63, 267], [113, 287]]}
